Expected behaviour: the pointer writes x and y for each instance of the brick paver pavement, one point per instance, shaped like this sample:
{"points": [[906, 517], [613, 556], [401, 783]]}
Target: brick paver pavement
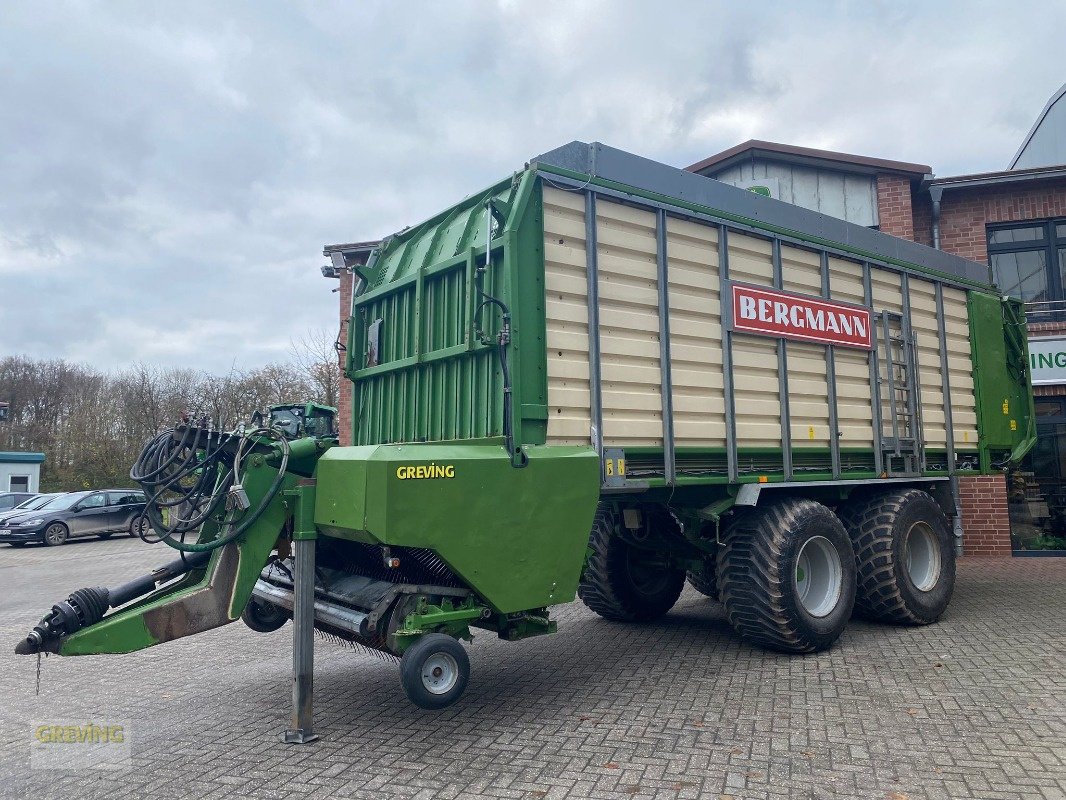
{"points": [[974, 707]]}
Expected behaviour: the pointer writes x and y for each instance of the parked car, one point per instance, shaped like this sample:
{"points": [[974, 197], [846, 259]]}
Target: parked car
{"points": [[9, 500], [32, 504], [98, 513]]}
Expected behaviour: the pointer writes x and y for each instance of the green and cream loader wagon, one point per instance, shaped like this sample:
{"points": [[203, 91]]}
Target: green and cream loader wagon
{"points": [[600, 377]]}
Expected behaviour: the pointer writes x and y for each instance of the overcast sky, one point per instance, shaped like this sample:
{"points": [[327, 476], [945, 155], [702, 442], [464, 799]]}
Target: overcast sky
{"points": [[169, 172]]}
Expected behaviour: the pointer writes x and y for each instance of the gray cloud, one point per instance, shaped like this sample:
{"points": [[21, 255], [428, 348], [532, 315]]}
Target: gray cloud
{"points": [[168, 173]]}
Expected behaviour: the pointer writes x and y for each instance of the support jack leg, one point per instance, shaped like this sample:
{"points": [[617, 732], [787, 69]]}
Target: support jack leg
{"points": [[303, 641]]}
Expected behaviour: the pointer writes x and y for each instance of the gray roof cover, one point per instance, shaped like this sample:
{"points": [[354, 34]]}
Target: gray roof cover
{"points": [[600, 161], [1045, 144]]}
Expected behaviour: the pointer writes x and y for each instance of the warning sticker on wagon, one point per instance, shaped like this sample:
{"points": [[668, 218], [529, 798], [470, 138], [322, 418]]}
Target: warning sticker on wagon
{"points": [[785, 315]]}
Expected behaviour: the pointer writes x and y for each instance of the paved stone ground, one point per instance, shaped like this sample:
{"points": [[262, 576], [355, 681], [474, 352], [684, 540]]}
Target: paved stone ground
{"points": [[974, 707]]}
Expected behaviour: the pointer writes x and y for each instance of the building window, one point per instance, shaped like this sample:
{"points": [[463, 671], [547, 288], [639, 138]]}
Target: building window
{"points": [[1036, 490], [20, 483], [1028, 261]]}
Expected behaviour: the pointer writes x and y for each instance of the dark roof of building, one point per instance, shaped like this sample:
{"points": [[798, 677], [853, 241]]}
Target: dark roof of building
{"points": [[7, 457], [352, 247], [809, 156], [1004, 176]]}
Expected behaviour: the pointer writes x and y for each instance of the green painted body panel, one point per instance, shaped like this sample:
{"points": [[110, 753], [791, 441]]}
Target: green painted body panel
{"points": [[516, 536], [1006, 418]]}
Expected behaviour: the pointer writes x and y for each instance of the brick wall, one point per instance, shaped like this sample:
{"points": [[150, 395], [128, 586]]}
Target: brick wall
{"points": [[922, 206], [964, 213], [985, 521], [894, 210], [344, 403]]}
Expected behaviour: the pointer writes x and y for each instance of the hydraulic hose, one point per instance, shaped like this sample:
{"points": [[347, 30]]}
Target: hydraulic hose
{"points": [[174, 474]]}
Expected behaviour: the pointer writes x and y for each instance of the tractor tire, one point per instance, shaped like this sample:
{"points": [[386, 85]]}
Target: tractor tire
{"points": [[624, 583], [706, 582], [905, 557], [263, 617], [786, 573], [434, 671]]}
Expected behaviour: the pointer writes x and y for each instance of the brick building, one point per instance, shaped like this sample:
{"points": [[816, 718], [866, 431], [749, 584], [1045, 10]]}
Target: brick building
{"points": [[1014, 221]]}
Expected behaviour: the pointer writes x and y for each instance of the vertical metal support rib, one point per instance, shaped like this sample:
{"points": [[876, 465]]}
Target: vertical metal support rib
{"points": [[592, 277], [890, 368], [303, 645], [782, 377], [666, 384], [831, 380], [725, 312], [914, 376], [875, 371], [945, 381]]}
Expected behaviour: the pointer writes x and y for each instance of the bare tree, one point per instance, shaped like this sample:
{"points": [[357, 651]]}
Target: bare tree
{"points": [[91, 425], [315, 355]]}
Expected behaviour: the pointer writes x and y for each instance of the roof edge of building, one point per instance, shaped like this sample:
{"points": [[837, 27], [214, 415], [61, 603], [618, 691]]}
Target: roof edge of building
{"points": [[808, 155]]}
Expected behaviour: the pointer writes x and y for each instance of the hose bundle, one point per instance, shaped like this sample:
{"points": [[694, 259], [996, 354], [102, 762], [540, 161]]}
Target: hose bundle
{"points": [[196, 474]]}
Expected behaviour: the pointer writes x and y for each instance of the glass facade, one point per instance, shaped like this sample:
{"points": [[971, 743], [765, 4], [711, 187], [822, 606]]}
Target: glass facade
{"points": [[1036, 490], [1028, 261]]}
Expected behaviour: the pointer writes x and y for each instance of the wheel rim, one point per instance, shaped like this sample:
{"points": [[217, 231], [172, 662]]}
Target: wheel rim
{"points": [[647, 577], [54, 534], [819, 576], [440, 673], [922, 558], [142, 526]]}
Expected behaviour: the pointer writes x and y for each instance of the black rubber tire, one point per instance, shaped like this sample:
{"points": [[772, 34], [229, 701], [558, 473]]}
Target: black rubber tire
{"points": [[263, 617], [878, 527], [59, 540], [140, 521], [107, 535], [757, 565], [414, 661], [624, 583]]}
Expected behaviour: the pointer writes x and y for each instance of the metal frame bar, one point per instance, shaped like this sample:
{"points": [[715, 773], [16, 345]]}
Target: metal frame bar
{"points": [[666, 384], [914, 375], [831, 379], [725, 308], [875, 373], [592, 277], [891, 372], [782, 373], [945, 382]]}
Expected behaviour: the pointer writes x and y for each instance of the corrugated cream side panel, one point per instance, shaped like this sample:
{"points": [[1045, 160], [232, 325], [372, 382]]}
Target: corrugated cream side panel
{"points": [[750, 259], [566, 311], [695, 334], [630, 375], [755, 382], [960, 368], [854, 394], [808, 382], [926, 325]]}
